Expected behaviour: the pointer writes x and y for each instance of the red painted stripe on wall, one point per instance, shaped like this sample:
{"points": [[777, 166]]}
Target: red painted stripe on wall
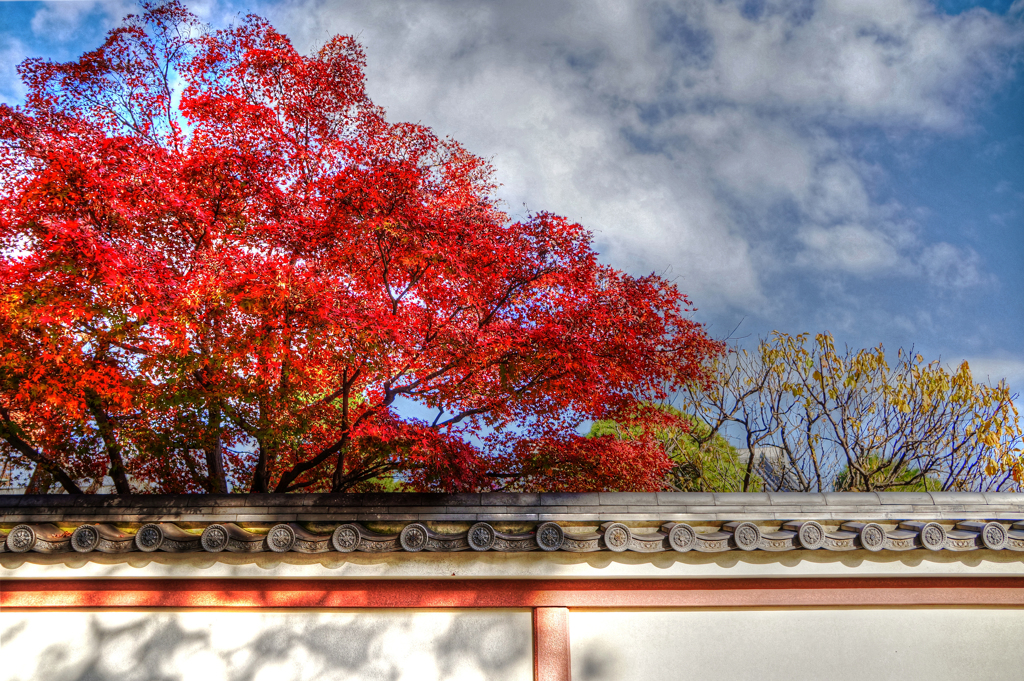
{"points": [[589, 593], [551, 657]]}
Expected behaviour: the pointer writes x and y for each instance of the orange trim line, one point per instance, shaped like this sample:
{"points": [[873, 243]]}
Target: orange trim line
{"points": [[509, 593]]}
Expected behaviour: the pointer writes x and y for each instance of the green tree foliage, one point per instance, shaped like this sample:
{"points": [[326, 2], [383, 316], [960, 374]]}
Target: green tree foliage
{"points": [[912, 479], [702, 460]]}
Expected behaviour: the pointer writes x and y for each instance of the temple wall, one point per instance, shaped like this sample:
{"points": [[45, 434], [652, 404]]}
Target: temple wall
{"points": [[397, 644], [588, 587], [292, 645]]}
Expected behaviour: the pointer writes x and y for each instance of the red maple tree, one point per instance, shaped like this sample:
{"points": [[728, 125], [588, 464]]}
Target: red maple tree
{"points": [[222, 266]]}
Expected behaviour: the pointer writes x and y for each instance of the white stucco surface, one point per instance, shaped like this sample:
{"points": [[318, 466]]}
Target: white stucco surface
{"points": [[534, 565], [266, 646], [792, 645]]}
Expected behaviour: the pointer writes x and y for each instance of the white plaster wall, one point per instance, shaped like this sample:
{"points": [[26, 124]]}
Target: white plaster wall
{"points": [[290, 645], [533, 565], [819, 644]]}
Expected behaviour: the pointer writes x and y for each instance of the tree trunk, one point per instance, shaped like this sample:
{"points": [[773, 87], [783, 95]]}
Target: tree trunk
{"points": [[117, 471], [750, 467], [40, 481], [259, 476], [215, 453], [339, 471], [8, 433]]}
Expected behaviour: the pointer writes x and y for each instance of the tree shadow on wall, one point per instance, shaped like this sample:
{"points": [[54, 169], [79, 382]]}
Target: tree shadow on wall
{"points": [[162, 646], [596, 663]]}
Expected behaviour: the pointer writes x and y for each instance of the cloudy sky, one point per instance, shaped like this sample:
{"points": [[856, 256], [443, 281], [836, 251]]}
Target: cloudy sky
{"points": [[854, 166]]}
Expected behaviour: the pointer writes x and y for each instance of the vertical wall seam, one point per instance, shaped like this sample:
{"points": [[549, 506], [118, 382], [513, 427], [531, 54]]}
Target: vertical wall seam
{"points": [[551, 652]]}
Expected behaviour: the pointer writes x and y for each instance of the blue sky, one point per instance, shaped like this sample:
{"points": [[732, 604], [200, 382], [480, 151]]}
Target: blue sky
{"points": [[854, 166]]}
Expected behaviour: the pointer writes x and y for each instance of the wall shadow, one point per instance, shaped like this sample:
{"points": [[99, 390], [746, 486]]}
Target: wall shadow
{"points": [[266, 646]]}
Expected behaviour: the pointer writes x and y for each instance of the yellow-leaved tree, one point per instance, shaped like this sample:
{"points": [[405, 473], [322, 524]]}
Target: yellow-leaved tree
{"points": [[819, 419]]}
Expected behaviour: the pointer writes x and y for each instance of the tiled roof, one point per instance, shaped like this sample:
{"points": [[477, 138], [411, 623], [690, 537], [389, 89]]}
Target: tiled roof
{"points": [[641, 522]]}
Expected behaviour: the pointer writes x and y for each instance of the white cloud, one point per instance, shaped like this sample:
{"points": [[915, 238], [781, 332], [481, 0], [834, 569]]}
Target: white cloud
{"points": [[848, 248], [12, 53], [994, 369], [948, 266], [890, 62], [61, 21]]}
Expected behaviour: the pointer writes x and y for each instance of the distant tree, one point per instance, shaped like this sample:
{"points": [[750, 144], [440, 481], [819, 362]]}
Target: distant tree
{"points": [[910, 481], [221, 267], [850, 420]]}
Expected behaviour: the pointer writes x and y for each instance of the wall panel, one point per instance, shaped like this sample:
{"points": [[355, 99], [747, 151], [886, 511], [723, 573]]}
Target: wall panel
{"points": [[834, 644], [293, 645]]}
